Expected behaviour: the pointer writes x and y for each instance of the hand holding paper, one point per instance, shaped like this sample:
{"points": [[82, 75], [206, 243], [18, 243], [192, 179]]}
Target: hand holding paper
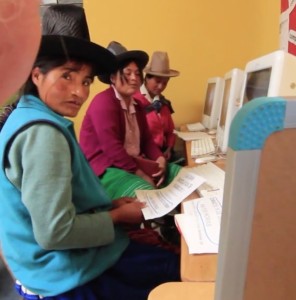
{"points": [[162, 201]]}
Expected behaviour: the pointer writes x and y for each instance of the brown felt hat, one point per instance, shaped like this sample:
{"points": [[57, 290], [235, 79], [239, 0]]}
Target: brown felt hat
{"points": [[160, 65]]}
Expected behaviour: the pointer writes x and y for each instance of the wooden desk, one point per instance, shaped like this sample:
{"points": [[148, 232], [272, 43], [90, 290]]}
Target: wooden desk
{"points": [[198, 271], [183, 290], [187, 149], [197, 267], [189, 160]]}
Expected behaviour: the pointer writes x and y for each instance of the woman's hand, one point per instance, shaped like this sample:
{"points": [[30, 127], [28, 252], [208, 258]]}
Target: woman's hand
{"points": [[162, 170], [128, 213], [168, 153], [121, 201], [144, 176]]}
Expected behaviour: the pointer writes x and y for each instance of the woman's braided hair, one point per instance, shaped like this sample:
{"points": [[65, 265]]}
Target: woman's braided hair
{"points": [[5, 112]]}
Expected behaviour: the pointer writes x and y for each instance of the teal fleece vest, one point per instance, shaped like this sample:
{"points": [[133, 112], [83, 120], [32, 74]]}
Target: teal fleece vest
{"points": [[51, 272]]}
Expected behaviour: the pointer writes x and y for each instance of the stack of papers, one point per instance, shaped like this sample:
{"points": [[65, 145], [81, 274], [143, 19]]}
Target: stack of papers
{"points": [[190, 136], [200, 224], [195, 126], [214, 179]]}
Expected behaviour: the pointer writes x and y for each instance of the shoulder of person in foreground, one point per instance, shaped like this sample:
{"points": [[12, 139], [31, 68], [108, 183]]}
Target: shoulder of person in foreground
{"points": [[20, 33]]}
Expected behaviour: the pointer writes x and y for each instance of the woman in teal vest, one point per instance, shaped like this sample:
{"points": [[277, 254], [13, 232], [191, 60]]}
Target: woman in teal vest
{"points": [[61, 235]]}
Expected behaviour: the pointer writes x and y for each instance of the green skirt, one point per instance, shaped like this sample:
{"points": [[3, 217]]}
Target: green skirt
{"points": [[119, 183]]}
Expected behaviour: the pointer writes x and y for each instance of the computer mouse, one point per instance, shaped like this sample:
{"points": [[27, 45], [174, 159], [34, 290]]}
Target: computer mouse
{"points": [[205, 159], [212, 131]]}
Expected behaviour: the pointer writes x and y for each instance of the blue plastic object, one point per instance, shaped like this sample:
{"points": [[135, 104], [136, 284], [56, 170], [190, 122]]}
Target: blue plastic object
{"points": [[255, 121]]}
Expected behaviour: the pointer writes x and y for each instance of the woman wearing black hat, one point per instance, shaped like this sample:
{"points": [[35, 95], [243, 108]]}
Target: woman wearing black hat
{"points": [[60, 232], [114, 132]]}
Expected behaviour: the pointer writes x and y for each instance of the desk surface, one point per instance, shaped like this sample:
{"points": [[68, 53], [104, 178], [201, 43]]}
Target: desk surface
{"points": [[197, 267]]}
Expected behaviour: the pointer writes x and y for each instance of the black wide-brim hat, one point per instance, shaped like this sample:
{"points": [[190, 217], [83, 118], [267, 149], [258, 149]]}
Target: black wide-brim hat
{"points": [[140, 57], [75, 48], [122, 54], [65, 34]]}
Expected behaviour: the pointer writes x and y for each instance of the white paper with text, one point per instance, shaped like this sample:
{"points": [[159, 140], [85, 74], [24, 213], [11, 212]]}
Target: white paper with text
{"points": [[162, 201], [200, 224]]}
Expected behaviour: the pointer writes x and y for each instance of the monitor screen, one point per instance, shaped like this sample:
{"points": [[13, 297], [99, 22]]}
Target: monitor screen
{"points": [[270, 75], [257, 84], [213, 100], [209, 98]]}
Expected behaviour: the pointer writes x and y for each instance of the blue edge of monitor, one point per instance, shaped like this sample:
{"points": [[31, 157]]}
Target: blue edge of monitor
{"points": [[255, 121]]}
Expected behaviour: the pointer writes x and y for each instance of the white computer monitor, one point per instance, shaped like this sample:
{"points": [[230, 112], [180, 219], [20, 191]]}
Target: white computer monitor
{"points": [[212, 102], [231, 103], [270, 75]]}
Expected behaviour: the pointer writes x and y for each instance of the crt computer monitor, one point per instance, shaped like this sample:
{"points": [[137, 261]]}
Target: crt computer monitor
{"points": [[212, 102], [231, 103], [270, 75]]}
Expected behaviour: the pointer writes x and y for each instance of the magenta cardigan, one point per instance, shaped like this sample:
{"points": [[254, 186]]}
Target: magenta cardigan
{"points": [[103, 132]]}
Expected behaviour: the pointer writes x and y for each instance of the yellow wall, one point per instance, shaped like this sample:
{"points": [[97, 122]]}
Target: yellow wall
{"points": [[203, 38]]}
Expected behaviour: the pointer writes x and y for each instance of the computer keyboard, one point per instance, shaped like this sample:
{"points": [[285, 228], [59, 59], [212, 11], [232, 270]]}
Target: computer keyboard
{"points": [[202, 146]]}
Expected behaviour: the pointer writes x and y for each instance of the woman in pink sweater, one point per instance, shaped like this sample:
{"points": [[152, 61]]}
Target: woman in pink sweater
{"points": [[115, 134]]}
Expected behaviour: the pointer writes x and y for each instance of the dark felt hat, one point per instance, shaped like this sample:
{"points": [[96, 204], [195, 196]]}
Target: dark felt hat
{"points": [[122, 54], [65, 34]]}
